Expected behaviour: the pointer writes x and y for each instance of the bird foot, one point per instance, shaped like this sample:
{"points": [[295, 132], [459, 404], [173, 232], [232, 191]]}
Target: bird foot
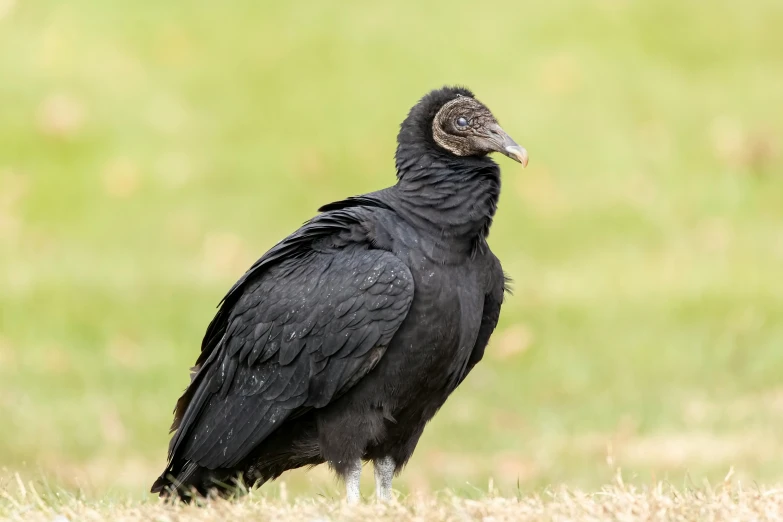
{"points": [[352, 480], [384, 472]]}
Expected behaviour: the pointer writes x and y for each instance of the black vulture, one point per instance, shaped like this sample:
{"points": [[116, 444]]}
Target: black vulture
{"points": [[341, 342]]}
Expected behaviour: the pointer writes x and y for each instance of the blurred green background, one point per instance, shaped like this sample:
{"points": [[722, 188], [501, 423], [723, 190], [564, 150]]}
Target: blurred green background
{"points": [[151, 151]]}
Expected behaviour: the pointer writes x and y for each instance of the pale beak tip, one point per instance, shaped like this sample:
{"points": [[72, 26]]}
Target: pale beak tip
{"points": [[518, 153]]}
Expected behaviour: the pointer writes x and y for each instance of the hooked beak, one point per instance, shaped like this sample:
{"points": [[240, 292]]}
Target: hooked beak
{"points": [[508, 146]]}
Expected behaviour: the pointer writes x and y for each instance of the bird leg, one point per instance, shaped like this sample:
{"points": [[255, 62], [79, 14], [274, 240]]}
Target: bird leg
{"points": [[353, 475], [384, 472]]}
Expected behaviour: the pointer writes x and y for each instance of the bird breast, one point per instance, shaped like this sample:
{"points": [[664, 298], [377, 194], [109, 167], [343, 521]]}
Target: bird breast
{"points": [[445, 317]]}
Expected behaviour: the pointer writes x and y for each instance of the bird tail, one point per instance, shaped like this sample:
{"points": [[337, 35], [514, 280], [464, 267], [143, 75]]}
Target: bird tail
{"points": [[194, 481]]}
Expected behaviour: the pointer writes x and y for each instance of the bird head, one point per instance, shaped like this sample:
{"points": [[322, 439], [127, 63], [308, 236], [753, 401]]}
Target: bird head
{"points": [[453, 120]]}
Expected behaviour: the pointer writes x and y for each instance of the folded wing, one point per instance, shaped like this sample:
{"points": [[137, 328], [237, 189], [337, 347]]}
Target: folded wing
{"points": [[309, 320]]}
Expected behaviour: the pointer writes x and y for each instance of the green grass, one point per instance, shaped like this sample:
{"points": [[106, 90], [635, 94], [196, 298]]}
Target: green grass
{"points": [[152, 150]]}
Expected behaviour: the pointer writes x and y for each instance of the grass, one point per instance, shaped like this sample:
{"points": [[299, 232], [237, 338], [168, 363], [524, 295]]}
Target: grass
{"points": [[615, 502], [152, 150]]}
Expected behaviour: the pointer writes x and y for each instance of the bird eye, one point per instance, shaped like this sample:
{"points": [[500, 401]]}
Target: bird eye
{"points": [[462, 122]]}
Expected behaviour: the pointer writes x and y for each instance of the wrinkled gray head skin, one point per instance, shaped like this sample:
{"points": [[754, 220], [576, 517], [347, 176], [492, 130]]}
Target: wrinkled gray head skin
{"points": [[465, 127]]}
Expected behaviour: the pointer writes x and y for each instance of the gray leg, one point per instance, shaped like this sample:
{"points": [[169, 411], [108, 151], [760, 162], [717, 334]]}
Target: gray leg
{"points": [[352, 478], [384, 472]]}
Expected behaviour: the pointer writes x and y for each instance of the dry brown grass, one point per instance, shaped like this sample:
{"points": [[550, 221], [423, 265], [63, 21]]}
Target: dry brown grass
{"points": [[728, 501]]}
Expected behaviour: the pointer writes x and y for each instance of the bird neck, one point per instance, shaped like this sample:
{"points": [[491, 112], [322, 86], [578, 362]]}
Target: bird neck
{"points": [[453, 198]]}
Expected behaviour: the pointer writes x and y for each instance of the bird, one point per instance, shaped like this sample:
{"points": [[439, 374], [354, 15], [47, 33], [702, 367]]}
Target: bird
{"points": [[344, 339]]}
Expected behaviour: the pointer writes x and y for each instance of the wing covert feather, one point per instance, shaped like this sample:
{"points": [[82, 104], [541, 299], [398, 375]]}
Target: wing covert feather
{"points": [[297, 336]]}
